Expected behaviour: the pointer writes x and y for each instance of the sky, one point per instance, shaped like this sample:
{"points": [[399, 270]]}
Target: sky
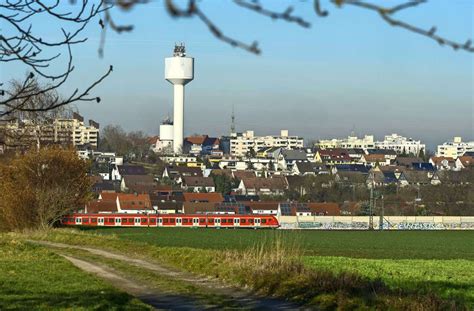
{"points": [[349, 72]]}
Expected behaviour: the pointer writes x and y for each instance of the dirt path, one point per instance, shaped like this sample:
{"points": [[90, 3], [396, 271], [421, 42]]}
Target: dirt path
{"points": [[243, 298], [151, 297]]}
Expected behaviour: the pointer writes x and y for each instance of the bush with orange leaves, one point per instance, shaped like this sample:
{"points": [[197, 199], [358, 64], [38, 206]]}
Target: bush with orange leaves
{"points": [[39, 187]]}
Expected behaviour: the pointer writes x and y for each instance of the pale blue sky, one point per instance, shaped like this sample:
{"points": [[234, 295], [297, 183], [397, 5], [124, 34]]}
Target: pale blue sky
{"points": [[349, 70]]}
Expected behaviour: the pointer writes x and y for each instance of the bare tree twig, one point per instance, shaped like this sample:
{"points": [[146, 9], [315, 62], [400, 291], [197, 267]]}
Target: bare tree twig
{"points": [[193, 10], [286, 15], [386, 13]]}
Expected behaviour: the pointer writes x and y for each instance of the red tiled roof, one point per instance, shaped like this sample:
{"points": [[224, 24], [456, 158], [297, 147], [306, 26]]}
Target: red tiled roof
{"points": [[134, 201], [152, 140], [99, 206], [466, 161], [198, 207], [213, 197], [197, 181], [108, 196], [243, 174], [196, 140], [274, 183], [374, 157], [328, 209]]}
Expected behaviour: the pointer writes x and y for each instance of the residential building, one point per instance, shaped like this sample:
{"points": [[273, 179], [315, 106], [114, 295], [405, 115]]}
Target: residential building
{"points": [[63, 131], [454, 149], [351, 142], [332, 156], [198, 184], [401, 144], [275, 185], [443, 163], [245, 143], [201, 145], [137, 184], [134, 203]]}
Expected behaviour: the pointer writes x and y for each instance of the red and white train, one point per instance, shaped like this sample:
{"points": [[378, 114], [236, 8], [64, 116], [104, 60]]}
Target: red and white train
{"points": [[172, 220]]}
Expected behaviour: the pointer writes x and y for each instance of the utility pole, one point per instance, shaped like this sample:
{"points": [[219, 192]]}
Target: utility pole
{"points": [[371, 208], [381, 215]]}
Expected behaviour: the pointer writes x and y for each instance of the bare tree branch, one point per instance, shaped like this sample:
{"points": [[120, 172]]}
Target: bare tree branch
{"points": [[386, 13], [20, 43], [286, 15]]}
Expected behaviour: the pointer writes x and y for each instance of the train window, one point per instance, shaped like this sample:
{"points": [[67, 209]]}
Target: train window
{"points": [[94, 220], [223, 221], [85, 220], [202, 220], [172, 220], [110, 219], [211, 220], [242, 221], [251, 221], [143, 219], [152, 221], [185, 220], [165, 220], [264, 221]]}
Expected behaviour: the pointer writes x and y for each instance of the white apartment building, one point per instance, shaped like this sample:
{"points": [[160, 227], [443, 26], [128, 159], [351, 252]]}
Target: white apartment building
{"points": [[65, 131], [455, 148], [81, 134], [399, 144], [351, 142], [241, 144]]}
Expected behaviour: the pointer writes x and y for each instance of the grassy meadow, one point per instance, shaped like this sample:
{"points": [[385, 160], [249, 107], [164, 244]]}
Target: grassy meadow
{"points": [[34, 278], [354, 244], [395, 270]]}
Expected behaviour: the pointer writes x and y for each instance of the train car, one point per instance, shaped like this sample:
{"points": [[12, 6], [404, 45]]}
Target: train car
{"points": [[172, 220]]}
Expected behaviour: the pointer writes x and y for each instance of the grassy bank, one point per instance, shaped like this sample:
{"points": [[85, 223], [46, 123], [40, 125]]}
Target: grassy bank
{"points": [[274, 267], [34, 278]]}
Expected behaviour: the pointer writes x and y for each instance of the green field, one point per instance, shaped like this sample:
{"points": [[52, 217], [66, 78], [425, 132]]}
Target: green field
{"points": [[440, 262], [328, 269], [34, 278], [357, 244]]}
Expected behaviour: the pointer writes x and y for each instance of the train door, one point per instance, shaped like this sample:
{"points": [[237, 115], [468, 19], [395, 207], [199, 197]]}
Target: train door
{"points": [[137, 221], [160, 221], [217, 222], [179, 222], [118, 221], [195, 222], [257, 222], [236, 222], [100, 221], [78, 221]]}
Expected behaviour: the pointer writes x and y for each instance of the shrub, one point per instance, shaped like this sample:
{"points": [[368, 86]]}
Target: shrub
{"points": [[40, 187]]}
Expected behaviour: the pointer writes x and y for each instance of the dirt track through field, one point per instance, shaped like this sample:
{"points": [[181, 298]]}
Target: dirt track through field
{"points": [[163, 300]]}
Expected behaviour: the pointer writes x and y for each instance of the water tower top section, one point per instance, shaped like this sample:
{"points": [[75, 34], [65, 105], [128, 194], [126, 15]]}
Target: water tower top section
{"points": [[179, 69]]}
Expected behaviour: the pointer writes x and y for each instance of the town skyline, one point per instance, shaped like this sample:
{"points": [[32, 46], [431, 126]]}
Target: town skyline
{"points": [[304, 81]]}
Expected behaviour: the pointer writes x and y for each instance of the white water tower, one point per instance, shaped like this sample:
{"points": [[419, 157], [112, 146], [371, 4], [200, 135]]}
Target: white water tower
{"points": [[179, 70]]}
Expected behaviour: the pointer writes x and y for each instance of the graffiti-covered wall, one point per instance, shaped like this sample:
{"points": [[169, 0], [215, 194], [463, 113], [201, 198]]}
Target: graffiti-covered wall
{"points": [[388, 223]]}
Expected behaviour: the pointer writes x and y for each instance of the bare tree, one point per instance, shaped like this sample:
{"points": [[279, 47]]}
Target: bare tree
{"points": [[20, 42], [28, 126]]}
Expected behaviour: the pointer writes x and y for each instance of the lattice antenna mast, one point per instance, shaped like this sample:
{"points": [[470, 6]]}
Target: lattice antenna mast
{"points": [[232, 124]]}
